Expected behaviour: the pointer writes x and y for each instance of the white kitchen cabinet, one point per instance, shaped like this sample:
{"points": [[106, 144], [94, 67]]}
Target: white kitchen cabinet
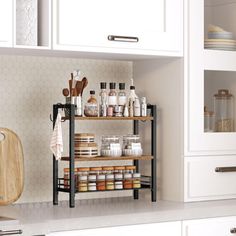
{"points": [[206, 72], [210, 178], [163, 229], [122, 26], [6, 23], [225, 226]]}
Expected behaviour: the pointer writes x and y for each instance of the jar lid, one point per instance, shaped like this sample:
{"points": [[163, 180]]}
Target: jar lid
{"points": [[68, 170], [119, 167], [108, 168], [223, 94], [83, 178], [86, 145], [103, 85], [132, 87], [92, 92], [95, 168], [136, 175], [130, 168], [83, 169], [87, 135], [119, 183], [112, 85], [122, 86]]}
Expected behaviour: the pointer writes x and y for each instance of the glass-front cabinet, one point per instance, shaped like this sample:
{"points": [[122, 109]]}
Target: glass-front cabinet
{"points": [[211, 86]]}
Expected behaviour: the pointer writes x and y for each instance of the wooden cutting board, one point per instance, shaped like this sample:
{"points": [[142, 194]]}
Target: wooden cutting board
{"points": [[11, 167]]}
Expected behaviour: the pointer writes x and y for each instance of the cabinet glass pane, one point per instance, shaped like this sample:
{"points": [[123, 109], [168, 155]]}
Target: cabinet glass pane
{"points": [[220, 24], [219, 101]]}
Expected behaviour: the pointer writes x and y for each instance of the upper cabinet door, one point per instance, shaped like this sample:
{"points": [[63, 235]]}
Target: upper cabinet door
{"points": [[6, 23], [153, 25]]}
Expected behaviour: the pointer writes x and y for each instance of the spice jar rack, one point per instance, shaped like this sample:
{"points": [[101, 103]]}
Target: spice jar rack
{"points": [[132, 182]]}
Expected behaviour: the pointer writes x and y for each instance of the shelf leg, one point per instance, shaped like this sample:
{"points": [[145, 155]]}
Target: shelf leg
{"points": [[72, 156], [136, 162], [55, 163], [154, 154]]}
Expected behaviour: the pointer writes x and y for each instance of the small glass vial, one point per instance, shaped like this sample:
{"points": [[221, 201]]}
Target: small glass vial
{"points": [[101, 182], [110, 184], [103, 100], [83, 183], [136, 180], [128, 182], [91, 107]]}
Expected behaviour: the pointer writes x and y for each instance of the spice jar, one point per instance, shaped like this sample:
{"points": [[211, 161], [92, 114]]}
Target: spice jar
{"points": [[119, 169], [101, 182], [224, 111], [110, 182], [83, 183], [67, 177], [130, 169], [128, 183], [107, 170], [83, 171], [95, 171], [132, 145], [118, 185], [136, 180], [91, 107], [92, 187], [111, 146]]}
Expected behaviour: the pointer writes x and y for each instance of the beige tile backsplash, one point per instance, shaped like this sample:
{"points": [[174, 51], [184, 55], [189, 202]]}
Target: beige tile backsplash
{"points": [[29, 86]]}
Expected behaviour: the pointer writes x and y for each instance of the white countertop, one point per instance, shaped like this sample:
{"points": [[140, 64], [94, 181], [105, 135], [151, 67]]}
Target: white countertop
{"points": [[113, 212]]}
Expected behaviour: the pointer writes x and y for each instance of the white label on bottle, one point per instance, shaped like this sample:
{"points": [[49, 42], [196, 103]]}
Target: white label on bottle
{"points": [[114, 146], [112, 100], [121, 100], [136, 146]]}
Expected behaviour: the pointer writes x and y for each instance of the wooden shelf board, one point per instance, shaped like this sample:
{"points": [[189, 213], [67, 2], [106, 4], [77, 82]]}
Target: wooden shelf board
{"points": [[147, 118], [99, 158]]}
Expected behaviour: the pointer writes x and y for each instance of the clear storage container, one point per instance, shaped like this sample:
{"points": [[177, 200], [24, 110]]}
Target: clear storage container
{"points": [[224, 111], [111, 146], [132, 145], [209, 121]]}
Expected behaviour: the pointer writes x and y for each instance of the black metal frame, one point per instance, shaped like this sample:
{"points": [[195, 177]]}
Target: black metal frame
{"points": [[72, 190]]}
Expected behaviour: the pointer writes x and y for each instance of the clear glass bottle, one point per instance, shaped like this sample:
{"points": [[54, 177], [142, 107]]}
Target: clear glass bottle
{"points": [[137, 109], [224, 111], [112, 99], [131, 100], [143, 106], [103, 99], [91, 107], [122, 99]]}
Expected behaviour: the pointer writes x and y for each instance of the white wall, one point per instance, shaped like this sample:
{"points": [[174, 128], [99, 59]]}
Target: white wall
{"points": [[29, 86]]}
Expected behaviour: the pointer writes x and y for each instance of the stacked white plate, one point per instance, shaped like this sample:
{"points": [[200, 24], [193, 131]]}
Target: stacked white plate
{"points": [[220, 40]]}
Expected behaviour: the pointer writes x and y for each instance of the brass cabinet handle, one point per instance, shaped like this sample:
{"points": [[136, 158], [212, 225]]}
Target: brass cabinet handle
{"points": [[233, 231], [10, 232], [123, 38], [225, 169]]}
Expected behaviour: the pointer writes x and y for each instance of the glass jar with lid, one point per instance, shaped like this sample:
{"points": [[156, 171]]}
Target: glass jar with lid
{"points": [[224, 111], [136, 180], [132, 145], [111, 146], [130, 169], [209, 120], [83, 183], [67, 177], [91, 107], [107, 170], [110, 183]]}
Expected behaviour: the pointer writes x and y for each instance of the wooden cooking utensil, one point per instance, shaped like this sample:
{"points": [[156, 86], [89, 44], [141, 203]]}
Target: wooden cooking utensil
{"points": [[85, 83], [71, 84], [78, 87], [11, 167], [65, 92]]}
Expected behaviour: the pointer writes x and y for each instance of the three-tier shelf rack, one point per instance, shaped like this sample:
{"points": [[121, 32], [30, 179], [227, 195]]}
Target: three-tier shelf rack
{"points": [[147, 182]]}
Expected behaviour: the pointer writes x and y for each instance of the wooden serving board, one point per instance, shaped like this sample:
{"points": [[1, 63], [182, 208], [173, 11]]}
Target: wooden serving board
{"points": [[11, 167]]}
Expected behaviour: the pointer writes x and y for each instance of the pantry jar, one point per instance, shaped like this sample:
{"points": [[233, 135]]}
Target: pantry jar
{"points": [[132, 145], [110, 184], [130, 169], [111, 146], [95, 171], [224, 111], [101, 182], [128, 181], [107, 170], [136, 180], [83, 183], [67, 177]]}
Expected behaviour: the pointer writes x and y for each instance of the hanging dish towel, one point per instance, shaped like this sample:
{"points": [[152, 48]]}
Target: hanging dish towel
{"points": [[56, 144]]}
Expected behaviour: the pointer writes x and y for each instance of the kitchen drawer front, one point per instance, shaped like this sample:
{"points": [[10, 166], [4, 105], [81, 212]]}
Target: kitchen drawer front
{"points": [[225, 226], [210, 178], [163, 229]]}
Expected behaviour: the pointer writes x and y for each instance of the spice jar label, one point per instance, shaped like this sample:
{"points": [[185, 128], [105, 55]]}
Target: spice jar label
{"points": [[136, 146]]}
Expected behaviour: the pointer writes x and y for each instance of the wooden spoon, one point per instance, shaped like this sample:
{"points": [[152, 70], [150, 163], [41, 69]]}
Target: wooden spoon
{"points": [[78, 88], [71, 84], [85, 83]]}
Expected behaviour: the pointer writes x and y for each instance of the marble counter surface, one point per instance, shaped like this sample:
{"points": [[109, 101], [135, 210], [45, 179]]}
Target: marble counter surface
{"points": [[113, 212]]}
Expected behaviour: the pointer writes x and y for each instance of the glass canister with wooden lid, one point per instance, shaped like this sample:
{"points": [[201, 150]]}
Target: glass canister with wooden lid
{"points": [[224, 111]]}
